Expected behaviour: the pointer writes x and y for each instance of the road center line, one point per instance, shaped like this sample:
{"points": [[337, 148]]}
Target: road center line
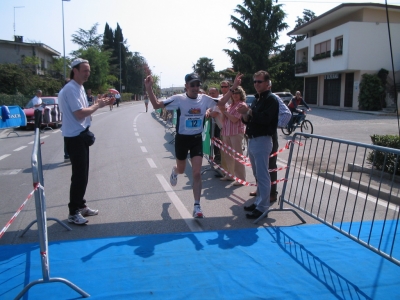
{"points": [[151, 163], [143, 149], [4, 156], [20, 148], [186, 216]]}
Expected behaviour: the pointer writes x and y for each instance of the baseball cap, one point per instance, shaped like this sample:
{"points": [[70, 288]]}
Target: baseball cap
{"points": [[192, 77], [78, 61]]}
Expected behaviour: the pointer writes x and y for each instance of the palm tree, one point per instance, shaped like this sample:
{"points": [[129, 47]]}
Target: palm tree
{"points": [[203, 67]]}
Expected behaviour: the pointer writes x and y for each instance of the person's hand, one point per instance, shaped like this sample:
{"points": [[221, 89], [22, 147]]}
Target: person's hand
{"points": [[208, 113], [238, 81], [148, 81], [242, 108]]}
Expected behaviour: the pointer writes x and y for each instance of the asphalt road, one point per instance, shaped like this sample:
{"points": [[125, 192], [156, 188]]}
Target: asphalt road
{"points": [[130, 165]]}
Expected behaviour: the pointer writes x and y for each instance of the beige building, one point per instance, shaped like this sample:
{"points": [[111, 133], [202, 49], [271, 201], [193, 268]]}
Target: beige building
{"points": [[342, 45], [15, 51]]}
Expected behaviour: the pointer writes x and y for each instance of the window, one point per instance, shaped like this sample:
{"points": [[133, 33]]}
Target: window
{"points": [[323, 48], [42, 63], [338, 46], [339, 43]]}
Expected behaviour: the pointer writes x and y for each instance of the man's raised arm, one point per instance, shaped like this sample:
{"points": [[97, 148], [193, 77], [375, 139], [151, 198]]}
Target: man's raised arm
{"points": [[148, 82]]}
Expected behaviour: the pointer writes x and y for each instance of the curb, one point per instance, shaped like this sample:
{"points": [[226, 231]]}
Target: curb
{"points": [[359, 185]]}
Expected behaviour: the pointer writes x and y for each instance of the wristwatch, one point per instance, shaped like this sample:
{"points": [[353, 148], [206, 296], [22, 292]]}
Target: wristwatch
{"points": [[231, 90]]}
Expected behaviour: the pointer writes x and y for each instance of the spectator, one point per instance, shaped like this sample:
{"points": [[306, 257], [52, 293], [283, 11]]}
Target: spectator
{"points": [[37, 100], [90, 97], [233, 132], [261, 123], [75, 129], [118, 99]]}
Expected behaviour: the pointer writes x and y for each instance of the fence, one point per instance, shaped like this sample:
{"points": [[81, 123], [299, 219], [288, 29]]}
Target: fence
{"points": [[357, 202], [40, 204]]}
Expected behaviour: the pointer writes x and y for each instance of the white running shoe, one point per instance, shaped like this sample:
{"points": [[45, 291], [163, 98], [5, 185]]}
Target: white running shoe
{"points": [[173, 179], [87, 211], [197, 212], [77, 218]]}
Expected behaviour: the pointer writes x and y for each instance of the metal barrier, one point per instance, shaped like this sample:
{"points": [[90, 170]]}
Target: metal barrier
{"points": [[40, 204], [360, 202]]}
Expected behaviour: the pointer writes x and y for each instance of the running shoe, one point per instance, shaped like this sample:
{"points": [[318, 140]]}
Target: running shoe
{"points": [[87, 211], [197, 212], [77, 218], [174, 177]]}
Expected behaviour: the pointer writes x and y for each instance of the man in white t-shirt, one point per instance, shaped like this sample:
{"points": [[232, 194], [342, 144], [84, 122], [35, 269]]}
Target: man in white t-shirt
{"points": [[191, 108], [117, 99], [37, 100], [76, 121]]}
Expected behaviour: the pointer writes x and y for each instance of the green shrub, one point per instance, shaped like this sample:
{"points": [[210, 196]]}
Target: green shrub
{"points": [[370, 93], [9, 100], [377, 158]]}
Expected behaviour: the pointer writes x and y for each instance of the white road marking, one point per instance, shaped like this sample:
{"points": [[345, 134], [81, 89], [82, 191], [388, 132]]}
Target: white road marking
{"points": [[20, 148], [136, 134], [184, 213], [30, 143], [143, 149], [139, 140], [4, 156], [56, 131], [151, 163], [10, 172], [43, 137]]}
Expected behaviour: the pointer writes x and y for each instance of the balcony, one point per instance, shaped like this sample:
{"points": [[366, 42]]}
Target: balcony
{"points": [[301, 68]]}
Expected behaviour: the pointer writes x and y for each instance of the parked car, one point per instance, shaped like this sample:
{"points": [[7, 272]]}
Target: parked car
{"points": [[50, 111], [250, 99], [285, 96]]}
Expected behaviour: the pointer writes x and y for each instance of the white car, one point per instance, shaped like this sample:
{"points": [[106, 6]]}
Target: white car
{"points": [[285, 96]]}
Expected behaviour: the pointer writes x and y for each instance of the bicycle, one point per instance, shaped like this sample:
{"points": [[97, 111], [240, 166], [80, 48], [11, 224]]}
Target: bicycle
{"points": [[305, 125]]}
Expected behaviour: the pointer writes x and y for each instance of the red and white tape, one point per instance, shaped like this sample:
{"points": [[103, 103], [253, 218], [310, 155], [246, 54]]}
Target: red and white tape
{"points": [[36, 186]]}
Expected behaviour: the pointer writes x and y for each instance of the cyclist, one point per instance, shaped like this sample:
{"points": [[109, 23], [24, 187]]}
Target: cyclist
{"points": [[296, 101]]}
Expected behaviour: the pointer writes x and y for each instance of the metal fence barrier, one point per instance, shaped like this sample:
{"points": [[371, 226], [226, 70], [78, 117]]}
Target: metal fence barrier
{"points": [[332, 181], [40, 204]]}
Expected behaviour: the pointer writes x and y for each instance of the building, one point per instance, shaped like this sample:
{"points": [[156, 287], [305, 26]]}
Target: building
{"points": [[342, 45], [15, 51]]}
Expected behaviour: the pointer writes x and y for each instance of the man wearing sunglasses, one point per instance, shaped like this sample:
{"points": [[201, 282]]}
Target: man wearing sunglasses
{"points": [[191, 108], [261, 121]]}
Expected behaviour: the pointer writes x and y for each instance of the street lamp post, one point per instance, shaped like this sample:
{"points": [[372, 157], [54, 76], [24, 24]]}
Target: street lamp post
{"points": [[62, 1], [14, 16]]}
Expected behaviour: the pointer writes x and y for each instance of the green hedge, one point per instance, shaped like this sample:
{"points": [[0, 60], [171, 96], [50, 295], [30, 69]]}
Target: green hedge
{"points": [[10, 100], [390, 141]]}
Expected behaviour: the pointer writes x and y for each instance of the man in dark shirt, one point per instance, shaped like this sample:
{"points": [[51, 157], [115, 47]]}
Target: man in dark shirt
{"points": [[261, 121]]}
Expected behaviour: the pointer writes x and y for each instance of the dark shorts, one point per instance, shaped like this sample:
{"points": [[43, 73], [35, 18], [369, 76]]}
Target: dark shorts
{"points": [[188, 143]]}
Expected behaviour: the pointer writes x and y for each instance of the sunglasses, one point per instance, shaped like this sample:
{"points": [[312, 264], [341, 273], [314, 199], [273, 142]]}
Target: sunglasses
{"points": [[193, 84], [224, 86], [259, 81]]}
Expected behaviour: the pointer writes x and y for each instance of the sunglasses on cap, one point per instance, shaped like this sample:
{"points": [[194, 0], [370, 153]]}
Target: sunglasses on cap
{"points": [[194, 84]]}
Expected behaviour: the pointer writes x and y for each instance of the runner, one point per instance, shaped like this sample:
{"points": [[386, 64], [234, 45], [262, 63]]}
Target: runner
{"points": [[191, 108]]}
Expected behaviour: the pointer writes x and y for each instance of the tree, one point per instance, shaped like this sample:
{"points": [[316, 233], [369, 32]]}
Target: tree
{"points": [[258, 27], [203, 67], [88, 38], [99, 68], [283, 65]]}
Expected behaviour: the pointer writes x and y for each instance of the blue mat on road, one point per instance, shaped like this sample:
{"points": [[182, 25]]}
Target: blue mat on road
{"points": [[300, 262]]}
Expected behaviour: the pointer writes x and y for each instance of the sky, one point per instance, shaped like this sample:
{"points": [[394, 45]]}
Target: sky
{"points": [[170, 34]]}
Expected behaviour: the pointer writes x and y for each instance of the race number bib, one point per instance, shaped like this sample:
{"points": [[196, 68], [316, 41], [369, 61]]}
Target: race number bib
{"points": [[193, 123]]}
